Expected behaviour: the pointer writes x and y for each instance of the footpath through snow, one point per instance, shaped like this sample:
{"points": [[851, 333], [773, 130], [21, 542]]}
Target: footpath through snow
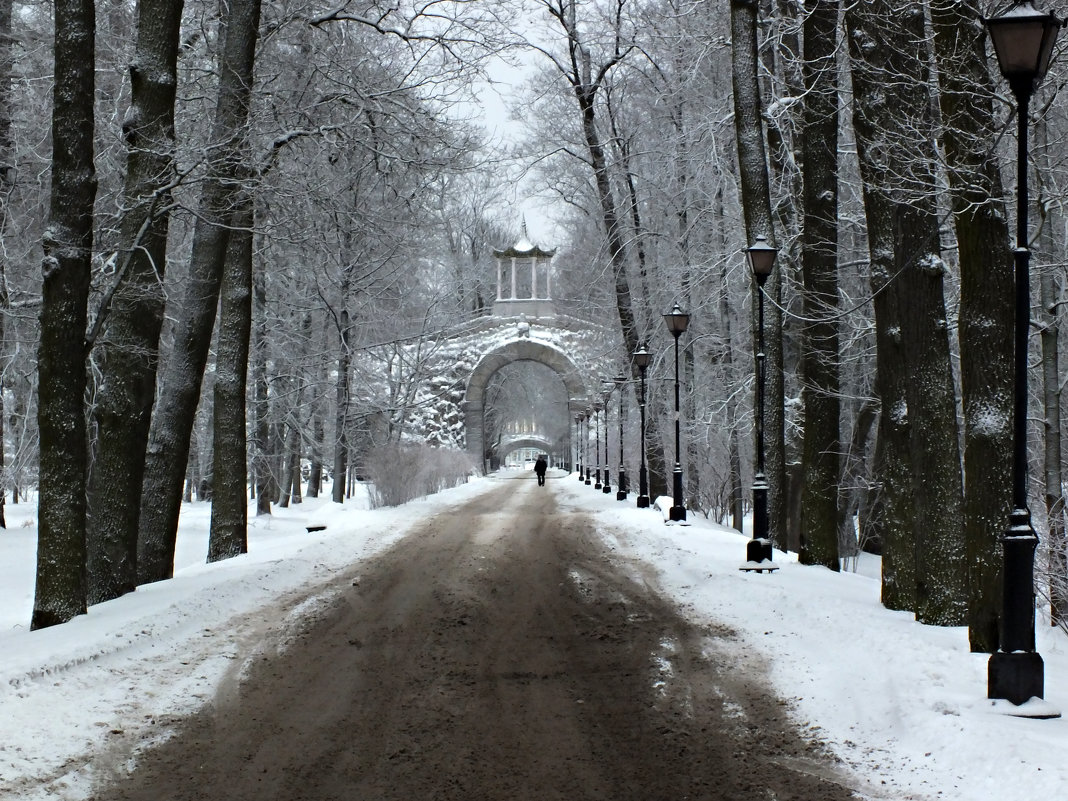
{"points": [[902, 705]]}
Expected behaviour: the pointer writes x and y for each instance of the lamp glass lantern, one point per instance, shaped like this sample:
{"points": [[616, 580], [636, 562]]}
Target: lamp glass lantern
{"points": [[1023, 39], [677, 321], [761, 257]]}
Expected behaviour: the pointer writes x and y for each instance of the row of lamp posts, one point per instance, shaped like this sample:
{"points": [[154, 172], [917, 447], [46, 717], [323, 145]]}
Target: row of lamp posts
{"points": [[1023, 39], [677, 322]]}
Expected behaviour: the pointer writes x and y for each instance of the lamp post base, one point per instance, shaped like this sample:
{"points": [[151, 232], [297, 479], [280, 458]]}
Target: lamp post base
{"points": [[758, 550], [621, 494], [677, 513], [1017, 677], [607, 488], [643, 501]]}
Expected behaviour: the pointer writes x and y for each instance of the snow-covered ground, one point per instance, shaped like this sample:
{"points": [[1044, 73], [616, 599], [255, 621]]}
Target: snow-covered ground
{"points": [[902, 705]]}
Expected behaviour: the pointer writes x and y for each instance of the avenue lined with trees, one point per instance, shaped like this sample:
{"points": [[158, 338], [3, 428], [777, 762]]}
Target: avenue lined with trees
{"points": [[228, 227]]}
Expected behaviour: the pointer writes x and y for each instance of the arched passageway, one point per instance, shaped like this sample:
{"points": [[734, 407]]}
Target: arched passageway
{"points": [[477, 401]]}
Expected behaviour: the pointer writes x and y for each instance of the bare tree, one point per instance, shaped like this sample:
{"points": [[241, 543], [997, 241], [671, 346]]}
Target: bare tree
{"points": [[131, 314], [172, 421], [60, 592], [819, 267], [756, 205], [894, 127]]}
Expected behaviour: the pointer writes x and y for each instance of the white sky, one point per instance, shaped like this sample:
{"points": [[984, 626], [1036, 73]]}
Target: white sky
{"points": [[902, 705]]}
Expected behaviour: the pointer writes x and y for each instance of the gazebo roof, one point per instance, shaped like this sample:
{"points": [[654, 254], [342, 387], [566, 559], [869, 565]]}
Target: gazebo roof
{"points": [[524, 249]]}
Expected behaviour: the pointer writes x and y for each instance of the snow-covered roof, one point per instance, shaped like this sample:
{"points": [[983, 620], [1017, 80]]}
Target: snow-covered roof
{"points": [[524, 248]]}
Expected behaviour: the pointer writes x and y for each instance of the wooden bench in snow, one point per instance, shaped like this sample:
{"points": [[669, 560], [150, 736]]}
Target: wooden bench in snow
{"points": [[315, 528]]}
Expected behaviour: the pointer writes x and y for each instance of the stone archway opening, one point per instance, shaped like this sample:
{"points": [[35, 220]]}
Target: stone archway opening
{"points": [[522, 389]]}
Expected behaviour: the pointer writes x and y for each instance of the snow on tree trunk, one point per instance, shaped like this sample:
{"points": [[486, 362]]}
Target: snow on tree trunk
{"points": [[1051, 289], [819, 268], [60, 591], [894, 127], [756, 207], [229, 502], [987, 311], [261, 459], [129, 348], [344, 369], [173, 419], [7, 184]]}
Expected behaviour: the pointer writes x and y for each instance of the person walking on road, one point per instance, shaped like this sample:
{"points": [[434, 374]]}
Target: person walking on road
{"points": [[540, 467]]}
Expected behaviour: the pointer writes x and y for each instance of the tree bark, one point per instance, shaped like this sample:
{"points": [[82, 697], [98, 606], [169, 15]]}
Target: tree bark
{"points": [[261, 459], [174, 417], [1051, 288], [229, 500], [60, 592], [987, 310], [129, 351], [341, 448], [7, 184], [819, 269], [894, 126], [756, 208]]}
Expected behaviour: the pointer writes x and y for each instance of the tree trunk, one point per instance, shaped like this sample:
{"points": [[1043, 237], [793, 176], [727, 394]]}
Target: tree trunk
{"points": [[60, 591], [7, 183], [341, 450], [756, 208], [261, 428], [893, 123], [987, 311], [1051, 461], [855, 479], [819, 268], [174, 417], [129, 352], [229, 502], [1051, 288]]}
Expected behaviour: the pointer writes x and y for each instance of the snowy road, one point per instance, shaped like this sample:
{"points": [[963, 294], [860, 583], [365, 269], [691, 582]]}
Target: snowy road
{"points": [[498, 652]]}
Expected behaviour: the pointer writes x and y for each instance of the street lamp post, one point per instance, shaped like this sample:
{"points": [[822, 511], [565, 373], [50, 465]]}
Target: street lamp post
{"points": [[597, 439], [606, 394], [641, 360], [1023, 40], [761, 258], [586, 446], [677, 322], [578, 444], [621, 490]]}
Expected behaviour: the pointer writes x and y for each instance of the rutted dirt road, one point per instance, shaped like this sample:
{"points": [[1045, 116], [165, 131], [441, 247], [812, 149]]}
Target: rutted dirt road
{"points": [[498, 654]]}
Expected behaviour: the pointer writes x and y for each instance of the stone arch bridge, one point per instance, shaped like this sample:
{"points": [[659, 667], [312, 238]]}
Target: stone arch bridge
{"points": [[452, 405]]}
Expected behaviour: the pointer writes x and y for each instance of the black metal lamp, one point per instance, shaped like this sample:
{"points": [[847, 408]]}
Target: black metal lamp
{"points": [[641, 361], [677, 322], [1023, 40], [578, 444], [586, 446], [761, 258], [597, 406], [606, 393], [621, 487]]}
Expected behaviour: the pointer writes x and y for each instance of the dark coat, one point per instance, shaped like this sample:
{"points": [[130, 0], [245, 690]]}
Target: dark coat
{"points": [[540, 466]]}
